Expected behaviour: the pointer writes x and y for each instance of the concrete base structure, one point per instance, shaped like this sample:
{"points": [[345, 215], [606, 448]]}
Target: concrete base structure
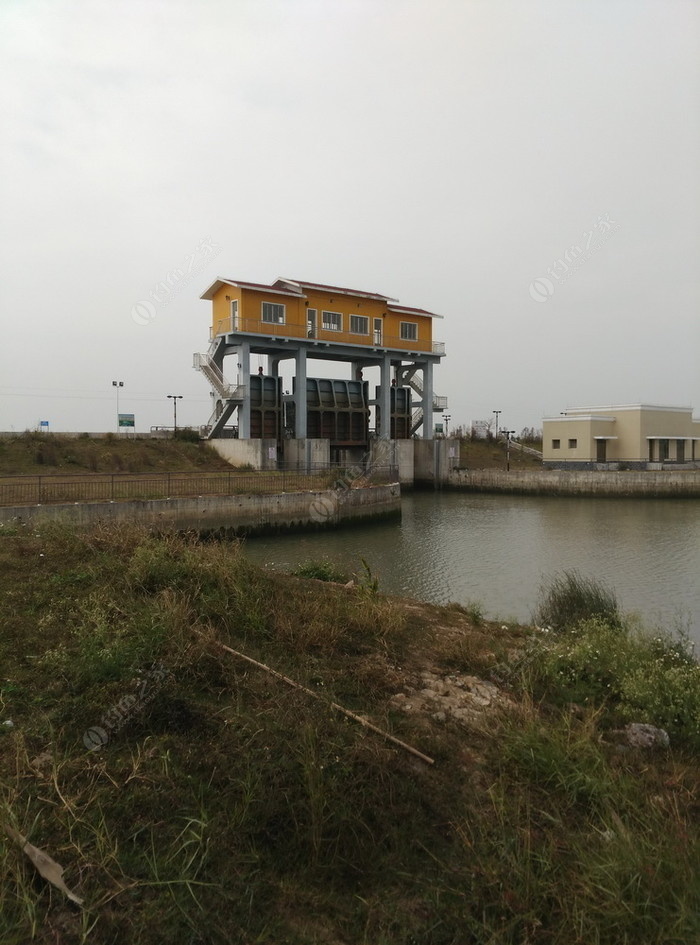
{"points": [[434, 461], [418, 461], [640, 484], [620, 467], [254, 454], [398, 454], [237, 514], [305, 455]]}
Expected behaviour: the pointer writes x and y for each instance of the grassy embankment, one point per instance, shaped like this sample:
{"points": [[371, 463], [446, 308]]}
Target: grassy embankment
{"points": [[227, 807], [113, 468], [491, 454], [34, 453], [46, 454]]}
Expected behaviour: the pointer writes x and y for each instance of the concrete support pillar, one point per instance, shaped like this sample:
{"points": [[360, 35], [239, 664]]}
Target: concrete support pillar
{"points": [[428, 400], [244, 378], [300, 394], [384, 431]]}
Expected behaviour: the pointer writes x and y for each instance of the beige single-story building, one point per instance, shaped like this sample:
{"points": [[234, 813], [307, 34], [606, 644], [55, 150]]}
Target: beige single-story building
{"points": [[634, 436]]}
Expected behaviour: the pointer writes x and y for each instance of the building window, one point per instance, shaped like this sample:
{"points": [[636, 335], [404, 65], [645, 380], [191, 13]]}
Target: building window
{"points": [[556, 444], [332, 321], [359, 325], [573, 444], [409, 331], [273, 313]]}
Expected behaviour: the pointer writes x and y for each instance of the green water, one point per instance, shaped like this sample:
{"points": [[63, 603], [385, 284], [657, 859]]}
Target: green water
{"points": [[495, 549]]}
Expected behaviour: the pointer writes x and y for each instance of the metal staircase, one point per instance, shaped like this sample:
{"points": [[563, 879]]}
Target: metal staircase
{"points": [[213, 373], [227, 396], [439, 403]]}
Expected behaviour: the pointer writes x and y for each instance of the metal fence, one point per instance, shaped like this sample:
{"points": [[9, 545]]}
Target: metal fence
{"points": [[116, 487]]}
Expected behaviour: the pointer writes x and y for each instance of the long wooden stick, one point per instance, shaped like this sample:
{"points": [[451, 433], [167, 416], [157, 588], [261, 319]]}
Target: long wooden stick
{"points": [[333, 705]]}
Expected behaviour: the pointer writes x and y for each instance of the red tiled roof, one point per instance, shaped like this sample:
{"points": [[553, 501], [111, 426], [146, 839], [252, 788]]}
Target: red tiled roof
{"points": [[412, 311], [339, 290]]}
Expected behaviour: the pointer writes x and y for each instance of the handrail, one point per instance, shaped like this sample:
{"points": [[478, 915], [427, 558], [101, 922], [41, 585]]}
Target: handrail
{"points": [[256, 326]]}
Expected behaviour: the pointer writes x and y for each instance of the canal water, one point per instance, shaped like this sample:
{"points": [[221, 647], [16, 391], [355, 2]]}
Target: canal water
{"points": [[497, 549]]}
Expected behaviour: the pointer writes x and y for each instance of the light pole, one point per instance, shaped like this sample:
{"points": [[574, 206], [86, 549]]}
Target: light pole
{"points": [[498, 413], [446, 417], [174, 398], [508, 434], [117, 384]]}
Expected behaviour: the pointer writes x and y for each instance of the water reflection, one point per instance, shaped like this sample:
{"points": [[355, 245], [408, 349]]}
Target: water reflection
{"points": [[496, 549]]}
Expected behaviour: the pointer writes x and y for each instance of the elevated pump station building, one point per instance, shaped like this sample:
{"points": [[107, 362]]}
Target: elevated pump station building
{"points": [[321, 419]]}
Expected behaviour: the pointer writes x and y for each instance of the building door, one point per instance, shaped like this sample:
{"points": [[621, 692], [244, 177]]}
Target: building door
{"points": [[601, 451], [311, 323], [377, 331], [680, 451], [234, 315]]}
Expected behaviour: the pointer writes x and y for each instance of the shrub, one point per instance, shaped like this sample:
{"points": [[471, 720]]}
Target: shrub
{"points": [[187, 435], [569, 598], [642, 677], [321, 570]]}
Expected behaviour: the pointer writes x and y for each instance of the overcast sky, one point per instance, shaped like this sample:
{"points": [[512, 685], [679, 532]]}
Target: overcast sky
{"points": [[449, 153]]}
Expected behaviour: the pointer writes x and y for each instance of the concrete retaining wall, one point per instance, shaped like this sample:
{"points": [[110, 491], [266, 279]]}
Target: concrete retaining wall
{"points": [[570, 482], [257, 454], [434, 460], [307, 454], [239, 514]]}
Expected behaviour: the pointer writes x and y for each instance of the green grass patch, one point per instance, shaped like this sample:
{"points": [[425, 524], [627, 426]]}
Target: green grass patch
{"points": [[321, 570], [568, 598], [224, 806]]}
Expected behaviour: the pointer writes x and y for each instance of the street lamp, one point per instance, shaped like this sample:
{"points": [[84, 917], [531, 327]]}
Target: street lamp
{"points": [[446, 417], [174, 398], [117, 384], [498, 413], [507, 434]]}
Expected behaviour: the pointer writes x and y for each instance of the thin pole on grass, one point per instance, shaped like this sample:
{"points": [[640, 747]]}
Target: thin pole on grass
{"points": [[333, 705]]}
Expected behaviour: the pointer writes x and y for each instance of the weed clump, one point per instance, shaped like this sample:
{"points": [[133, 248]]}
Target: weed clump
{"points": [[638, 676], [569, 598], [321, 570]]}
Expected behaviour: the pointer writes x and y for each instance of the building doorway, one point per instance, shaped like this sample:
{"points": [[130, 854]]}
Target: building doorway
{"points": [[311, 323], [601, 451], [377, 331]]}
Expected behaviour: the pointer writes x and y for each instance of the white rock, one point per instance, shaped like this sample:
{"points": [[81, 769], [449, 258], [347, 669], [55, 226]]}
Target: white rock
{"points": [[641, 735]]}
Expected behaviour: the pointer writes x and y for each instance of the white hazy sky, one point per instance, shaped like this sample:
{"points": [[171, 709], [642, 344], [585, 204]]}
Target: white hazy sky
{"points": [[445, 152]]}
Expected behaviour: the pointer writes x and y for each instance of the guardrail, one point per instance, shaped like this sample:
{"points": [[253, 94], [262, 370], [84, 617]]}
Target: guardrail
{"points": [[121, 487], [256, 326]]}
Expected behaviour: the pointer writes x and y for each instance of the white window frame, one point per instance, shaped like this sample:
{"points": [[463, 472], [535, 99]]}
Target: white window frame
{"points": [[276, 320], [327, 326], [365, 321], [410, 336]]}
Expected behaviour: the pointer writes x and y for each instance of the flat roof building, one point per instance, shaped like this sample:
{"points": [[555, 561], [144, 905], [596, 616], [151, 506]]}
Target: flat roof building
{"points": [[635, 436]]}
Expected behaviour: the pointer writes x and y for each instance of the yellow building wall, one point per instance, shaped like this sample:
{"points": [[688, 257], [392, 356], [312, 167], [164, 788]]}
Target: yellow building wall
{"points": [[631, 427], [295, 323], [583, 430]]}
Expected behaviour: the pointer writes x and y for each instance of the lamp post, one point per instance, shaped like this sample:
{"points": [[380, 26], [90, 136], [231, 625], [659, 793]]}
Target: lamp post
{"points": [[174, 398], [446, 417], [498, 413], [508, 434], [117, 384]]}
